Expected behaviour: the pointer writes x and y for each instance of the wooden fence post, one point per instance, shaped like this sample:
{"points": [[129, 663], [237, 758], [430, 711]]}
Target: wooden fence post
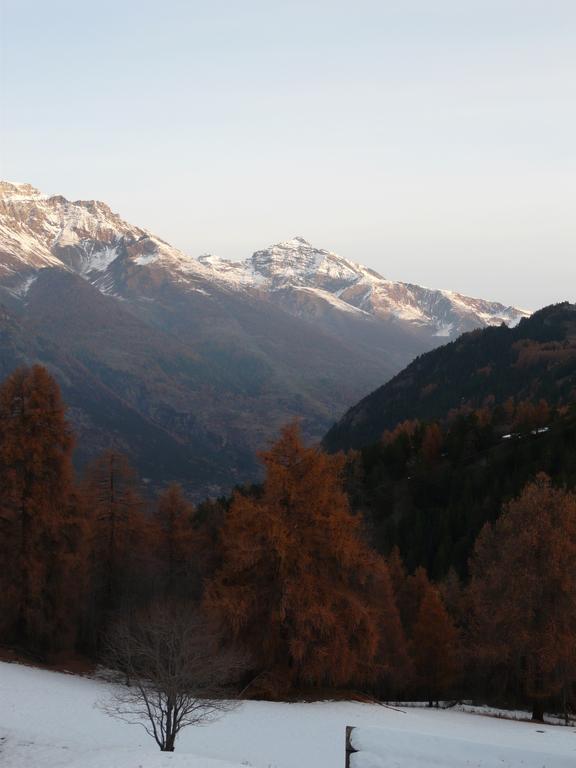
{"points": [[349, 748]]}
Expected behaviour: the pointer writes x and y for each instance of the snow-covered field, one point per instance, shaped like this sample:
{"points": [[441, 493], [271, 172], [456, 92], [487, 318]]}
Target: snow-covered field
{"points": [[50, 720]]}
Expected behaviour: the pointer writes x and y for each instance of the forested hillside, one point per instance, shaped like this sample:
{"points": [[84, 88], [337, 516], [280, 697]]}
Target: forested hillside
{"points": [[534, 360], [420, 567], [438, 450], [429, 487]]}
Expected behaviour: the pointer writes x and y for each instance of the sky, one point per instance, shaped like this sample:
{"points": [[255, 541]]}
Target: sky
{"points": [[433, 140]]}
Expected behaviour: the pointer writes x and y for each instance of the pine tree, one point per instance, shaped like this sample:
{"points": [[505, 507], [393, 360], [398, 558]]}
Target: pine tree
{"points": [[523, 591], [435, 647], [397, 573], [455, 598], [42, 526], [298, 585], [410, 598], [118, 534], [175, 543]]}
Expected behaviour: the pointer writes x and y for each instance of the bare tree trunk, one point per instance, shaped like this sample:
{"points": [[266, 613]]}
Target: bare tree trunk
{"points": [[169, 743], [537, 711], [179, 676]]}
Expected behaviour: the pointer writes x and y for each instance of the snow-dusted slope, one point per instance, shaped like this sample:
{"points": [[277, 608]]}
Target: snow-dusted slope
{"points": [[50, 720], [83, 236], [164, 349], [210, 357], [296, 265], [86, 237]]}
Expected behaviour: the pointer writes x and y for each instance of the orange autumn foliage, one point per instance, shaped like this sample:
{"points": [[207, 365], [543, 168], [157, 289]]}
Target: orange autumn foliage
{"points": [[523, 588], [40, 515], [432, 444], [406, 429], [435, 647], [298, 584]]}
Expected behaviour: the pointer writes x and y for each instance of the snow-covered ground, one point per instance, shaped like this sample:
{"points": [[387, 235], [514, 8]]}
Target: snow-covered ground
{"points": [[50, 720]]}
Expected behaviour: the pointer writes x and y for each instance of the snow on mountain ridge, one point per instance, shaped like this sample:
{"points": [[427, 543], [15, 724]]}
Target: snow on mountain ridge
{"points": [[18, 190], [82, 236], [297, 265], [87, 237]]}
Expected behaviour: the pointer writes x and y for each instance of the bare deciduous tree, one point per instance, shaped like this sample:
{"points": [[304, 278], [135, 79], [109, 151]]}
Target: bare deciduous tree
{"points": [[169, 672]]}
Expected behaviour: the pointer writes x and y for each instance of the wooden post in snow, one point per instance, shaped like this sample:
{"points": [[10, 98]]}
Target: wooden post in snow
{"points": [[349, 748]]}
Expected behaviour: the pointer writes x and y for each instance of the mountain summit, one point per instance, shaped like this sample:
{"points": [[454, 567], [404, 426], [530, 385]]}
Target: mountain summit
{"points": [[86, 237], [301, 267], [188, 364]]}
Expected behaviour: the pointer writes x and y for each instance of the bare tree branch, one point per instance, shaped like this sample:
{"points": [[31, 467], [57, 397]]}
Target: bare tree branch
{"points": [[170, 672]]}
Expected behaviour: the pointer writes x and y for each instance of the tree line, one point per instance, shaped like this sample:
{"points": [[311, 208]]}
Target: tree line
{"points": [[286, 571], [429, 487]]}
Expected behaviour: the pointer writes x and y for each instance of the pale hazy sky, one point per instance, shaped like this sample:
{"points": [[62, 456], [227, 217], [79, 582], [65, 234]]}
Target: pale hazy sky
{"points": [[433, 140]]}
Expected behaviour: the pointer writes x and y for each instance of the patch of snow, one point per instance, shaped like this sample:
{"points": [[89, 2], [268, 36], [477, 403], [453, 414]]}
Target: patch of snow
{"points": [[100, 260], [67, 237], [25, 286], [444, 329], [333, 300], [148, 258], [382, 748], [51, 720], [105, 284]]}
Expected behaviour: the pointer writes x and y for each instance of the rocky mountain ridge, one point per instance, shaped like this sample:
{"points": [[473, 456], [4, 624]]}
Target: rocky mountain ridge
{"points": [[201, 359], [298, 266]]}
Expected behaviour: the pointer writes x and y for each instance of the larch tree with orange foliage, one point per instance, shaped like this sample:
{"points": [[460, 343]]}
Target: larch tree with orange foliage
{"points": [[410, 598], [435, 647], [40, 515], [430, 631], [397, 572], [432, 444], [406, 429], [523, 591], [298, 586]]}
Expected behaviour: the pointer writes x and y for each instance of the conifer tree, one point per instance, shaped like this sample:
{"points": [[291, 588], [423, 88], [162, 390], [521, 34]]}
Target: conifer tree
{"points": [[42, 527], [435, 647], [523, 591], [432, 444], [455, 598], [298, 585], [118, 533], [397, 573], [410, 598], [174, 542]]}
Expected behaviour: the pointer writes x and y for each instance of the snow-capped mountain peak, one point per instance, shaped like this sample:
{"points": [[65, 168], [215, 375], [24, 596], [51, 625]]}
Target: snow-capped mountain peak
{"points": [[88, 238], [293, 270], [82, 236], [13, 190], [297, 262]]}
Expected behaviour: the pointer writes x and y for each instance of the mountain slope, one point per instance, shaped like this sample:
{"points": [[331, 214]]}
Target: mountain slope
{"points": [[295, 271], [210, 370], [99, 416], [210, 356], [536, 359]]}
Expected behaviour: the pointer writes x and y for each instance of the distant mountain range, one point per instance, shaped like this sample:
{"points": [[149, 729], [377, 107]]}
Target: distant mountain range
{"points": [[311, 282], [192, 364]]}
